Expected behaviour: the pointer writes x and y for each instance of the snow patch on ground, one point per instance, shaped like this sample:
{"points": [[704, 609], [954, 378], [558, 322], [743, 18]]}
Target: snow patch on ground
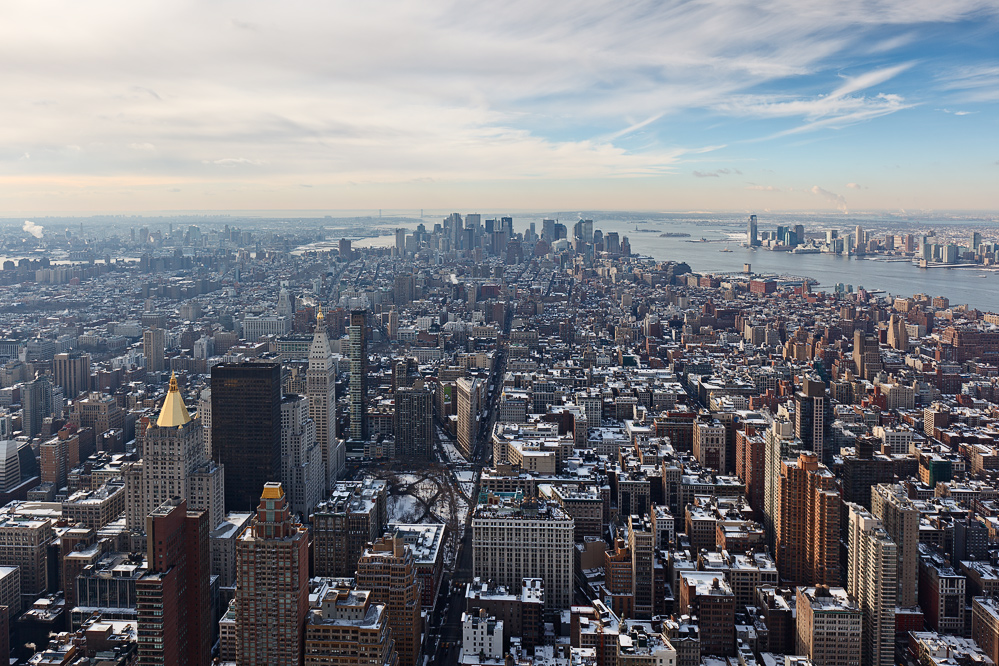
{"points": [[403, 509]]}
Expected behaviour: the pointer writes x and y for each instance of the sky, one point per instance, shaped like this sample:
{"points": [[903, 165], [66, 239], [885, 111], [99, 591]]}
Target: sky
{"points": [[715, 105]]}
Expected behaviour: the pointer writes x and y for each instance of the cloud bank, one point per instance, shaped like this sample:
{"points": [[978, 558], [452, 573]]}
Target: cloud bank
{"points": [[233, 96]]}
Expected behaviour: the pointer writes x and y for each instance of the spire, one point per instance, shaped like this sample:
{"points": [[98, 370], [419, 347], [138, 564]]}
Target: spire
{"points": [[173, 413], [319, 313]]}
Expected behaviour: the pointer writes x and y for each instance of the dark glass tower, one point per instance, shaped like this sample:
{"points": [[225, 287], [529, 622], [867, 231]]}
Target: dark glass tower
{"points": [[246, 429]]}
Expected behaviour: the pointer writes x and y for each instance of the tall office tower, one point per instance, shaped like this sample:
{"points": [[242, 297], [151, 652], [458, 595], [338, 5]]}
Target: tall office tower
{"points": [[859, 240], [53, 455], [205, 414], [302, 471], [272, 587], [321, 389], [752, 232], [898, 333], [453, 227], [866, 354], [173, 600], [349, 624], [246, 428], [799, 234], [36, 405], [153, 348], [404, 289], [808, 522], [780, 443], [392, 324], [872, 583], [813, 418], [470, 395], [515, 538], [413, 422], [388, 570], [709, 444], [900, 519], [285, 304], [357, 334], [641, 543], [400, 242], [975, 241], [355, 514], [829, 626], [72, 373], [548, 230], [173, 464], [612, 242]]}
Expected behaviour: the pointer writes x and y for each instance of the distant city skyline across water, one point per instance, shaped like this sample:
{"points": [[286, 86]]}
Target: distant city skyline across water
{"points": [[976, 286], [973, 285]]}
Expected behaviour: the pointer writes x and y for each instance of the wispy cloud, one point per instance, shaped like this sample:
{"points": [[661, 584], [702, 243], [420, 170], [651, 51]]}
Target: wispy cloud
{"points": [[838, 200], [717, 173], [763, 188], [854, 186], [840, 108], [234, 161], [972, 83], [456, 92]]}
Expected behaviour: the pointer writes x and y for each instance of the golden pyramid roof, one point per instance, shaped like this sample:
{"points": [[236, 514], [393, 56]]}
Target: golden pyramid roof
{"points": [[272, 490], [174, 412]]}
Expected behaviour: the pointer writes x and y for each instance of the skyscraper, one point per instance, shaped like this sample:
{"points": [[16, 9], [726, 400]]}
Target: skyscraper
{"points": [[388, 569], [72, 373], [272, 588], [302, 471], [153, 347], [358, 352], [871, 582], [36, 404], [898, 334], [400, 242], [285, 304], [641, 543], [866, 354], [413, 422], [173, 602], [246, 428], [780, 443], [813, 418], [808, 522], [470, 393], [752, 233], [173, 465], [321, 389], [900, 519]]}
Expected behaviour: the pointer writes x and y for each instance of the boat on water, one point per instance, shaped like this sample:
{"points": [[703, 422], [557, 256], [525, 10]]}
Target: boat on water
{"points": [[725, 249]]}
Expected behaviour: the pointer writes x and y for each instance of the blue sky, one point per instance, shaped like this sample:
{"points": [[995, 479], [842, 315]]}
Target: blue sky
{"points": [[708, 105]]}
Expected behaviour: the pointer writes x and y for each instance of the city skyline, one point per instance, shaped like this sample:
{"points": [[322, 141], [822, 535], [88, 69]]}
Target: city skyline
{"points": [[660, 106]]}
